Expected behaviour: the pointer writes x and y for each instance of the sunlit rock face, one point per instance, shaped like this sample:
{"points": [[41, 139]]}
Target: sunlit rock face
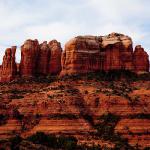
{"points": [[8, 69], [118, 52], [94, 53], [81, 55]]}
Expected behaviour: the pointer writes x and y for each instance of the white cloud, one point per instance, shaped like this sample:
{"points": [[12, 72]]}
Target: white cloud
{"points": [[62, 20]]}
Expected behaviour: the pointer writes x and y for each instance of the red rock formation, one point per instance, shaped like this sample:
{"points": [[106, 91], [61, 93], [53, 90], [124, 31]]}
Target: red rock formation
{"points": [[44, 58], [8, 67], [90, 53], [141, 60], [118, 52], [40, 59], [82, 54], [55, 59], [29, 58]]}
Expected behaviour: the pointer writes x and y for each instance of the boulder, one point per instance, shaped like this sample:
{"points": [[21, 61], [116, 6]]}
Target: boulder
{"points": [[8, 69]]}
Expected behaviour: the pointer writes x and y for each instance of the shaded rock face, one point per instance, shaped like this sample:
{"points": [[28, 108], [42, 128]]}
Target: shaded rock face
{"points": [[40, 59], [141, 60], [94, 53], [8, 69], [29, 58], [55, 57], [44, 58]]}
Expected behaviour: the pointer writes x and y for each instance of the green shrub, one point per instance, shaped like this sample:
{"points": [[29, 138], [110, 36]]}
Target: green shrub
{"points": [[93, 147], [15, 141], [140, 116], [144, 77], [62, 116], [3, 119], [52, 141], [105, 130], [67, 143], [147, 148], [106, 126], [42, 138]]}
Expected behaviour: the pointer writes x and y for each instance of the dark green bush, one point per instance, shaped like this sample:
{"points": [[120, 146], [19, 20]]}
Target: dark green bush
{"points": [[52, 141], [42, 138], [15, 141], [144, 77], [106, 126], [147, 148], [112, 75], [3, 119], [105, 129], [93, 147], [67, 143], [139, 116], [62, 116]]}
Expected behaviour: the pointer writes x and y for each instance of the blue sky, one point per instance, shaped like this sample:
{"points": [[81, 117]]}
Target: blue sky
{"points": [[64, 19]]}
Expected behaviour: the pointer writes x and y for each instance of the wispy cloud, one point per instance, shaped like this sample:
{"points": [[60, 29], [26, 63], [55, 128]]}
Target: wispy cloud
{"points": [[62, 20]]}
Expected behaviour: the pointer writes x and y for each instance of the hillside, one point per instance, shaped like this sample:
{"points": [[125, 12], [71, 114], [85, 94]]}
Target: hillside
{"points": [[113, 114]]}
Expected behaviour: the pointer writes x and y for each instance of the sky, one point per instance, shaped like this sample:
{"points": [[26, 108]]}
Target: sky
{"points": [[65, 19]]}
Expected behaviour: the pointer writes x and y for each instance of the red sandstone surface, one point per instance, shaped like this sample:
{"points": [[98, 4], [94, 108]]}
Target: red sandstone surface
{"points": [[8, 69], [84, 54], [141, 60], [61, 107]]}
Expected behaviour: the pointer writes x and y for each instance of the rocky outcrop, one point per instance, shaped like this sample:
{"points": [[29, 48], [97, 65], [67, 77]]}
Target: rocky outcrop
{"points": [[55, 58], [8, 69], [43, 59], [40, 59], [82, 54], [29, 58], [141, 60], [118, 52], [91, 53]]}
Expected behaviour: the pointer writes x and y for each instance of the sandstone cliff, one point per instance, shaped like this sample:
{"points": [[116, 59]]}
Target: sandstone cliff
{"points": [[90, 53], [40, 59], [55, 59], [141, 59], [8, 69], [44, 58], [82, 54], [29, 58]]}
